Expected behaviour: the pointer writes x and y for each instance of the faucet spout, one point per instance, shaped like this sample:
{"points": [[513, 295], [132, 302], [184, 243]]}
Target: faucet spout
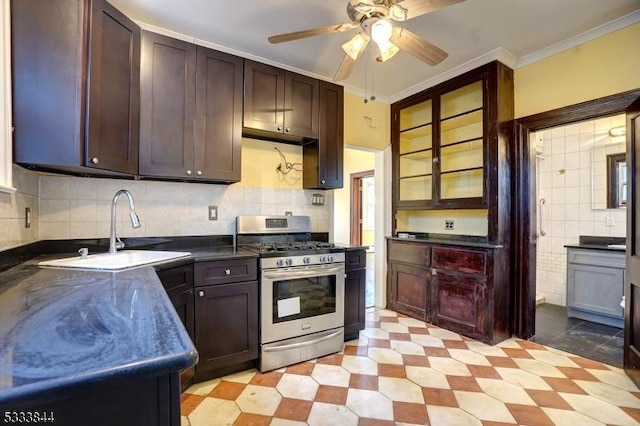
{"points": [[114, 242]]}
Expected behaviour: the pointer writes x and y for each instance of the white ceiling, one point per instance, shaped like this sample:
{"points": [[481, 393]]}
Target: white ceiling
{"points": [[472, 32]]}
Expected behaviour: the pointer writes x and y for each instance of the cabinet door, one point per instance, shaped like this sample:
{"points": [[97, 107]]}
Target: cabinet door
{"points": [[323, 159], [354, 303], [167, 109], [227, 324], [595, 289], [113, 90], [459, 302], [301, 105], [218, 124], [263, 97], [409, 290]]}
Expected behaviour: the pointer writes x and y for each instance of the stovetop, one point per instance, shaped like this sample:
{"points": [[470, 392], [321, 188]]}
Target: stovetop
{"points": [[291, 248]]}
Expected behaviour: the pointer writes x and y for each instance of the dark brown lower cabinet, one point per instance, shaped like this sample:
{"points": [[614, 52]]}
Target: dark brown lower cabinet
{"points": [[456, 287], [355, 293], [178, 282], [226, 316]]}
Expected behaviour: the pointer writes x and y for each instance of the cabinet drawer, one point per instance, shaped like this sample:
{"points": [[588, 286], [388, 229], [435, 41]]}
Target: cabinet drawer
{"points": [[355, 260], [226, 271], [454, 259], [606, 258], [409, 252]]}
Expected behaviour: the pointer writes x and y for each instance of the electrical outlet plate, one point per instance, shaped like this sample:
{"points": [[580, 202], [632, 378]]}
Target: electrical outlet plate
{"points": [[448, 224], [213, 212]]}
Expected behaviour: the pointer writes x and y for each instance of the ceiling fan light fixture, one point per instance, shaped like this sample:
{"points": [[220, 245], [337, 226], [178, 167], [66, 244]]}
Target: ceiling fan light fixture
{"points": [[381, 31], [387, 51], [356, 45], [397, 12]]}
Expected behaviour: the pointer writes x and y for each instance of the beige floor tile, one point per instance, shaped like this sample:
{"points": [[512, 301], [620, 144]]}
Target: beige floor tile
{"points": [[441, 333], [614, 378], [285, 422], [552, 358], [448, 366], [184, 421], [427, 377], [297, 386], [203, 388], [483, 406], [214, 411], [333, 375], [427, 340], [371, 404], [403, 390], [259, 400], [469, 357], [407, 348], [539, 368], [330, 415], [448, 416], [505, 391], [509, 343], [394, 327], [486, 350], [375, 333], [360, 365], [412, 322], [598, 409], [610, 394], [385, 356], [241, 377], [566, 417], [522, 378]]}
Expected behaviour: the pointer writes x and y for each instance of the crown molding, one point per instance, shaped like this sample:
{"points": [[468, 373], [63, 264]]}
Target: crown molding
{"points": [[579, 39]]}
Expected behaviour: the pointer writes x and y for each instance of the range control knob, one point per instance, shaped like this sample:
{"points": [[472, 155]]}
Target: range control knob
{"points": [[306, 260], [289, 262], [280, 262], [323, 259]]}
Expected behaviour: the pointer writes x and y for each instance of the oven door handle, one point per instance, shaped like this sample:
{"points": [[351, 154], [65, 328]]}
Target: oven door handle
{"points": [[314, 272], [302, 344]]}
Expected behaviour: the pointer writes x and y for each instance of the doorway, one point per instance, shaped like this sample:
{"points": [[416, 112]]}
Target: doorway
{"points": [[363, 224], [571, 192], [525, 215]]}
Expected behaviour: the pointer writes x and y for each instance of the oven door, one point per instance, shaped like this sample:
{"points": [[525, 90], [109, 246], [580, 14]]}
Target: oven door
{"points": [[301, 300]]}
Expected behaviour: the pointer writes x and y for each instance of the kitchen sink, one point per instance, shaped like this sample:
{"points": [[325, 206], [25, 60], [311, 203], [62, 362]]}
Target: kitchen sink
{"points": [[116, 261]]}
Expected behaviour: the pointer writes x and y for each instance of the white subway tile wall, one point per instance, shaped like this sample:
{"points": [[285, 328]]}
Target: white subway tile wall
{"points": [[66, 207], [564, 180]]}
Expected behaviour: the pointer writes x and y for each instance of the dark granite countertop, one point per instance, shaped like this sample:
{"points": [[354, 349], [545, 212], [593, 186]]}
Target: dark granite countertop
{"points": [[589, 242], [595, 247], [62, 329], [348, 247]]}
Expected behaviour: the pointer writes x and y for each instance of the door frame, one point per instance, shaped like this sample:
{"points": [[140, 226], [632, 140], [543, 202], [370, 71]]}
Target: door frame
{"points": [[524, 216], [355, 238]]}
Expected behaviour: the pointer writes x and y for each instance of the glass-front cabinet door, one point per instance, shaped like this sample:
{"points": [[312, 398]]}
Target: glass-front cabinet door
{"points": [[415, 152], [461, 159]]}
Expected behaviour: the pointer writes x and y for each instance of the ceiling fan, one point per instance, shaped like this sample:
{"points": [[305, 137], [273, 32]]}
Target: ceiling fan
{"points": [[374, 18]]}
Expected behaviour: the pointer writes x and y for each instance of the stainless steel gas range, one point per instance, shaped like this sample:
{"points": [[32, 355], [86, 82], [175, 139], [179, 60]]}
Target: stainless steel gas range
{"points": [[302, 289]]}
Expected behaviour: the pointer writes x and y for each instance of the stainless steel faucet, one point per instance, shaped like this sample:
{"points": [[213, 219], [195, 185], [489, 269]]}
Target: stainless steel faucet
{"points": [[114, 242]]}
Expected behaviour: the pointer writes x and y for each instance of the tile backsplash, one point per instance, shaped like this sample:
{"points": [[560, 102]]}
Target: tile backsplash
{"points": [[564, 180], [78, 207]]}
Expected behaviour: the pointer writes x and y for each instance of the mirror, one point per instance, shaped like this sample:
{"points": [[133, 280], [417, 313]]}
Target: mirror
{"points": [[608, 177]]}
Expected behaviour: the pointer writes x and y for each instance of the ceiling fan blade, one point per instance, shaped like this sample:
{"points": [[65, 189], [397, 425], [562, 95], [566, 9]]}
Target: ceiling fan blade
{"points": [[345, 68], [281, 38], [417, 46], [407, 9]]}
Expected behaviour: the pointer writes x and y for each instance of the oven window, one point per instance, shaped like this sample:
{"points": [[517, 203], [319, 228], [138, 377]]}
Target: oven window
{"points": [[303, 298]]}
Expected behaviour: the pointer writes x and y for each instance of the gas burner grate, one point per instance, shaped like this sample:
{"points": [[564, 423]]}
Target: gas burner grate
{"points": [[288, 246]]}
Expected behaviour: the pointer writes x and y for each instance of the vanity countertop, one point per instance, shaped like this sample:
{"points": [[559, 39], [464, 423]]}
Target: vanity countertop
{"points": [[62, 329]]}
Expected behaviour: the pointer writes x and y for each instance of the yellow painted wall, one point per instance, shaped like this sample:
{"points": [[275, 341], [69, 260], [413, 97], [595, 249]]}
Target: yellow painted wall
{"points": [[601, 67], [372, 132], [260, 160]]}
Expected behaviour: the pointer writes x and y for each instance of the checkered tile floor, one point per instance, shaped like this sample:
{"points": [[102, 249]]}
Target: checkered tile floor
{"points": [[403, 371]]}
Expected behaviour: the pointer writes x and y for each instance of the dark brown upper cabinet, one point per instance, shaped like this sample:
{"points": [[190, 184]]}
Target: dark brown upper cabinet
{"points": [[323, 158], [75, 68], [279, 105], [191, 111]]}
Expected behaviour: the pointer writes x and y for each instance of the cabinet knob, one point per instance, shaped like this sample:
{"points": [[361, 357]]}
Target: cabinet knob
{"points": [[201, 293], [434, 272], [199, 172], [189, 172], [279, 128], [227, 272], [287, 130], [95, 160], [322, 181]]}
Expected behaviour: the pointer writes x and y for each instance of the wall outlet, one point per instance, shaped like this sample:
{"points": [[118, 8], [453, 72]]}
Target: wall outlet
{"points": [[213, 212], [448, 224], [609, 221], [27, 217]]}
